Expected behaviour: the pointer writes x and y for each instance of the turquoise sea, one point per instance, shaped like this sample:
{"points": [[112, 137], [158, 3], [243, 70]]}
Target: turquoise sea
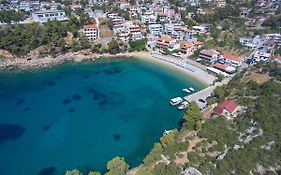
{"points": [[82, 115]]}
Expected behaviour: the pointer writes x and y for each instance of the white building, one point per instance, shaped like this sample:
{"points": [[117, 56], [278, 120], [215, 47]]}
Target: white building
{"points": [[260, 56], [135, 32], [44, 16], [148, 17], [167, 42], [188, 34], [220, 3], [232, 60], [112, 15], [91, 32], [155, 29], [201, 29]]}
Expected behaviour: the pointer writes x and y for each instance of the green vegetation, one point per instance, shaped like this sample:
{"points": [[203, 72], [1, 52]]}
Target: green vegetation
{"points": [[22, 38], [138, 45], [93, 173], [8, 16], [193, 117], [273, 22], [117, 166], [154, 155], [113, 47], [219, 15], [170, 169], [222, 133]]}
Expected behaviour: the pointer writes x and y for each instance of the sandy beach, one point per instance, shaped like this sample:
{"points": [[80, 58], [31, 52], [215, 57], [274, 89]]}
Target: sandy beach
{"points": [[31, 63], [194, 72]]}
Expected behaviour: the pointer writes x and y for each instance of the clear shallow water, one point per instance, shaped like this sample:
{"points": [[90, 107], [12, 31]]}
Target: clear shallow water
{"points": [[82, 115]]}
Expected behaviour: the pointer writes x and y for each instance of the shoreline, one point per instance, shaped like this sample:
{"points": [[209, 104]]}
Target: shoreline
{"points": [[48, 62]]}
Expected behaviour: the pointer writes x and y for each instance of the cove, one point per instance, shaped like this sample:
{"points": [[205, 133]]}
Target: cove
{"points": [[81, 115]]}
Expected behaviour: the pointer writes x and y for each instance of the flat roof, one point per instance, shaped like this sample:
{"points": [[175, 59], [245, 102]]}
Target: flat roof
{"points": [[48, 11]]}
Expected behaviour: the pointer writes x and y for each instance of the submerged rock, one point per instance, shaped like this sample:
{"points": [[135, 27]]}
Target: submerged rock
{"points": [[76, 97], [47, 171], [117, 136], [10, 131], [66, 101], [20, 101]]}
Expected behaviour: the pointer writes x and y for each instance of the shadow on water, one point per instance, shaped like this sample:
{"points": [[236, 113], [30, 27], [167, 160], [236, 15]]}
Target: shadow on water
{"points": [[117, 137], [47, 171], [10, 131], [26, 109], [46, 128], [76, 97], [20, 101], [66, 101], [50, 83], [71, 110], [96, 72], [112, 71]]}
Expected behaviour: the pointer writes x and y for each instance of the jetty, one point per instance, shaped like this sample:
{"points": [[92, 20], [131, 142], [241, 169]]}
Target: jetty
{"points": [[204, 93]]}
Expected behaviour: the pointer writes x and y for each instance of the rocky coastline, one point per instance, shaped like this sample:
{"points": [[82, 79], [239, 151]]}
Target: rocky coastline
{"points": [[36, 62]]}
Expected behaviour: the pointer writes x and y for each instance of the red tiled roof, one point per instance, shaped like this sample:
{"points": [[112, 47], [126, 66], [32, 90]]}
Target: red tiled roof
{"points": [[270, 42], [198, 43], [186, 45], [229, 105], [165, 39], [219, 66], [233, 57], [90, 26], [278, 58]]}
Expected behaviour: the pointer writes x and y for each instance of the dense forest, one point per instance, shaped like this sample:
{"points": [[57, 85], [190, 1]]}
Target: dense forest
{"points": [[19, 39]]}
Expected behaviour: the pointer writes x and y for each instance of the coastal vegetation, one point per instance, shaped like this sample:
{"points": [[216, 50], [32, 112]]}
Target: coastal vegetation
{"points": [[138, 45], [20, 39]]}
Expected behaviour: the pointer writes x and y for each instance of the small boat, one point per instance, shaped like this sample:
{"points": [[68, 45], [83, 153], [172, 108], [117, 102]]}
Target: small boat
{"points": [[176, 101], [186, 90], [183, 105], [191, 89], [167, 132]]}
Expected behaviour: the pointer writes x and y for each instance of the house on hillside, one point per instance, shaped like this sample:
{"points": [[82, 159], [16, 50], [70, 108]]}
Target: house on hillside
{"points": [[229, 109], [209, 55], [91, 32], [232, 60], [48, 15], [187, 48], [167, 42]]}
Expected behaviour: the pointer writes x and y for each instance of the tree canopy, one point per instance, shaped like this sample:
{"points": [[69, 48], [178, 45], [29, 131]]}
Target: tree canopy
{"points": [[117, 166]]}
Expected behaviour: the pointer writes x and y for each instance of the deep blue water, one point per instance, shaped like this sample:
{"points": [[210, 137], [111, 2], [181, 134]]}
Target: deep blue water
{"points": [[82, 115]]}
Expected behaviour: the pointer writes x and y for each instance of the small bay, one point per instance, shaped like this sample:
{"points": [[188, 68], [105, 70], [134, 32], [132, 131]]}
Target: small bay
{"points": [[81, 115]]}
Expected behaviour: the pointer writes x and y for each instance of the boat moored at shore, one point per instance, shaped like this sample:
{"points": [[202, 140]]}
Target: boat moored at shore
{"points": [[191, 89], [186, 90], [183, 105], [175, 101]]}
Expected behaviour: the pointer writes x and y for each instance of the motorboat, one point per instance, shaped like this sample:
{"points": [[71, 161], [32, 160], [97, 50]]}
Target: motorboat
{"points": [[176, 101], [186, 90], [191, 89], [183, 105]]}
